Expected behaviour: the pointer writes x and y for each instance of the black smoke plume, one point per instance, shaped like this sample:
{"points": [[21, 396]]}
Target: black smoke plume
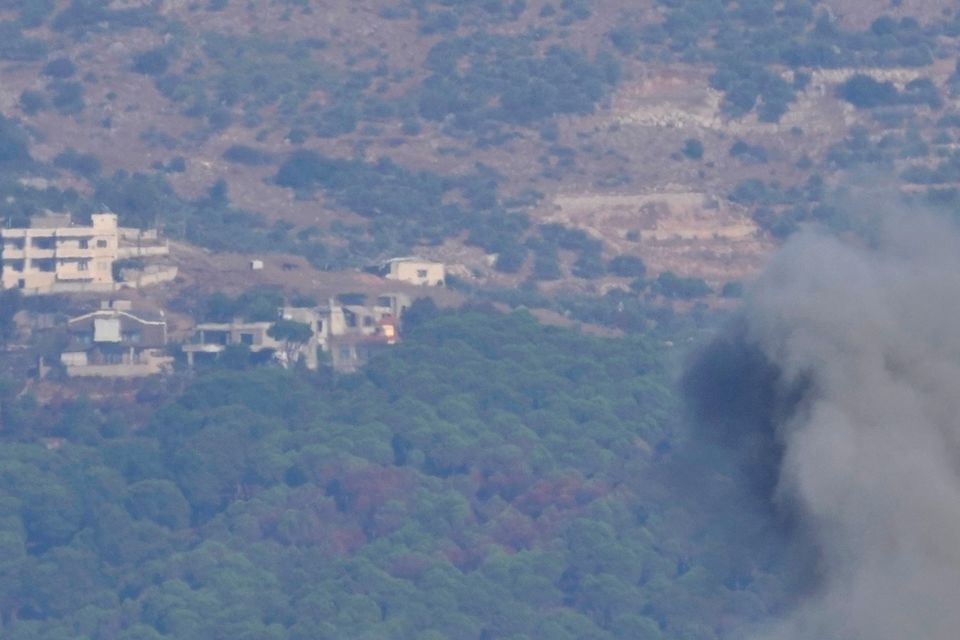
{"points": [[838, 387]]}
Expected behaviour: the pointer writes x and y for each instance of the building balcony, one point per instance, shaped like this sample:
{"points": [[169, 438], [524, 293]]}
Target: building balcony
{"points": [[203, 348], [73, 276], [11, 253], [36, 253], [73, 252], [76, 232]]}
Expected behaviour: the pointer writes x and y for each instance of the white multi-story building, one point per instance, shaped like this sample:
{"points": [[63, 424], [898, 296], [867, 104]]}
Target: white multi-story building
{"points": [[53, 251]]}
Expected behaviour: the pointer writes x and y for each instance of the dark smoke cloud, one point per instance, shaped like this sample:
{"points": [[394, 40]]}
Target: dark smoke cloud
{"points": [[839, 384]]}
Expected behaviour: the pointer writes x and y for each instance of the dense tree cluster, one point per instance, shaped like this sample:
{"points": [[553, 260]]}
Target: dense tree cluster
{"points": [[14, 146], [864, 92], [750, 42], [490, 478], [85, 16], [481, 80]]}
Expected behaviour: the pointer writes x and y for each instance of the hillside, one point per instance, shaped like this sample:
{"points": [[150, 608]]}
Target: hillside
{"points": [[588, 431], [492, 478], [691, 135]]}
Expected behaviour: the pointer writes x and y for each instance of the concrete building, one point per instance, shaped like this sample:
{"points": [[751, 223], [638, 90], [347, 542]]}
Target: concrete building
{"points": [[212, 338], [53, 255], [357, 332], [350, 351], [52, 251], [415, 271], [363, 319], [348, 332], [115, 342]]}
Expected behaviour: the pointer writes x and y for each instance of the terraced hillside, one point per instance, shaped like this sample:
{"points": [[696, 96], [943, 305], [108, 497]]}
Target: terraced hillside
{"points": [[687, 133]]}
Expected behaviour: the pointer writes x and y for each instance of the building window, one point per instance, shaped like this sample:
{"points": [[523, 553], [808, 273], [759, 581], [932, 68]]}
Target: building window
{"points": [[84, 243], [101, 244], [42, 243], [421, 273], [246, 338], [83, 265], [47, 266]]}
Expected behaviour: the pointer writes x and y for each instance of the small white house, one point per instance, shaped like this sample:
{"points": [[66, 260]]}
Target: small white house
{"points": [[416, 271]]}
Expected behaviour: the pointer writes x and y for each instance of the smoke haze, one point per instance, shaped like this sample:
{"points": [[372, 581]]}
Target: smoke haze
{"points": [[839, 385]]}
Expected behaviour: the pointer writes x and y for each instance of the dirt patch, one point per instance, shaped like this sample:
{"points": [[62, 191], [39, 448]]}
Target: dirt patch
{"points": [[689, 233]]}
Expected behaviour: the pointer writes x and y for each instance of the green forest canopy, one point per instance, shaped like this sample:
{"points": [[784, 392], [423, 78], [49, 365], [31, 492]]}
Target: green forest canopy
{"points": [[489, 478]]}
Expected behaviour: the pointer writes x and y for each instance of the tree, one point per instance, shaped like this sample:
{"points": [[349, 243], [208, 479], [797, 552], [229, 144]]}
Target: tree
{"points": [[160, 501], [14, 149], [153, 62], [693, 149], [59, 68], [864, 92], [671, 285], [293, 336], [10, 304], [627, 266]]}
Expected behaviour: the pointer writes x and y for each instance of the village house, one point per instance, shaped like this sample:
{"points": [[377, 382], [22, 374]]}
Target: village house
{"points": [[113, 341], [210, 339], [348, 332], [350, 351], [359, 331], [363, 319], [415, 271], [53, 255]]}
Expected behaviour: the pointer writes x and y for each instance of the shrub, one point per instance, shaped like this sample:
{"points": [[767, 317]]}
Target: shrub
{"points": [[546, 266], [32, 102], [625, 39], [627, 267], [510, 258], [242, 154], [152, 63], [14, 149], [864, 92], [589, 264], [670, 285], [59, 68], [84, 16], [743, 150], [85, 164], [732, 290], [14, 46], [692, 149], [177, 164], [67, 96]]}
